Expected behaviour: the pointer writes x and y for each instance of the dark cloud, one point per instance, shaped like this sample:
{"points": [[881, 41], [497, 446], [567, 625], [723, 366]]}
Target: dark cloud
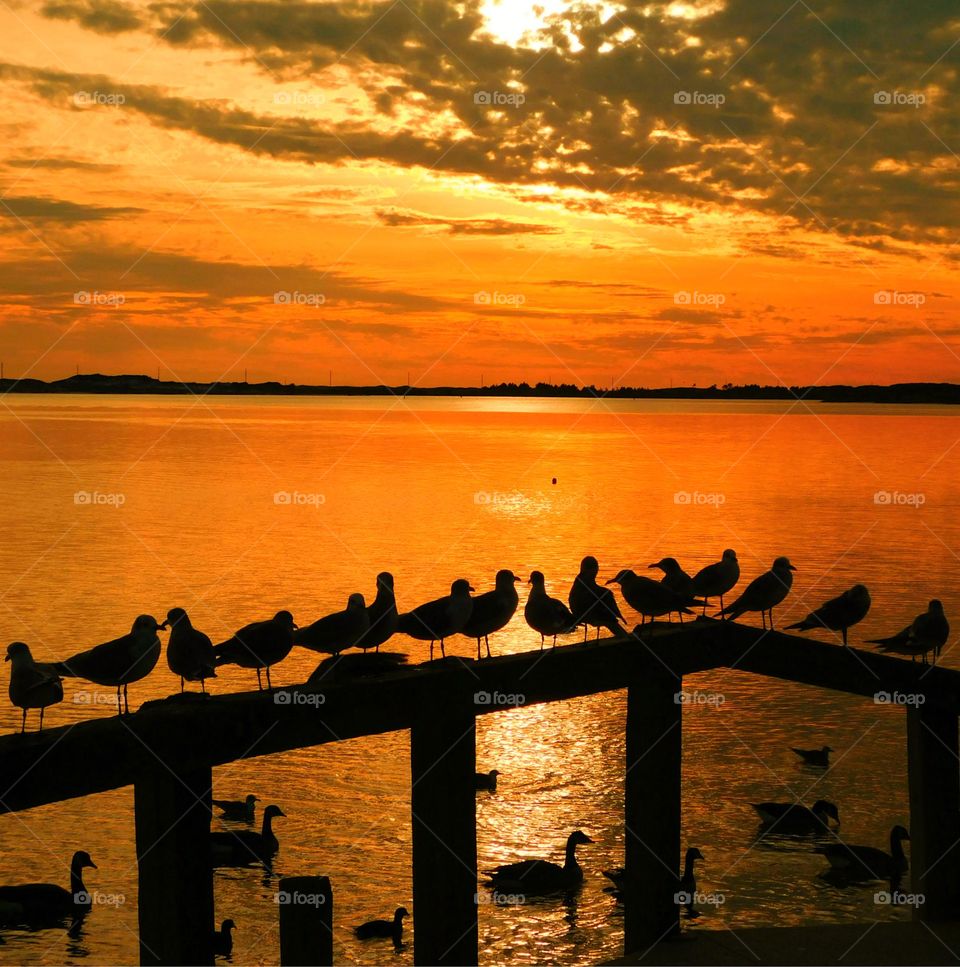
{"points": [[35, 209], [103, 16], [463, 226], [59, 164]]}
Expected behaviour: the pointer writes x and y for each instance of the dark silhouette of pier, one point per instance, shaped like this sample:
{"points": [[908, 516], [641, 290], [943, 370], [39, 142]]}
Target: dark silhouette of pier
{"points": [[168, 748]]}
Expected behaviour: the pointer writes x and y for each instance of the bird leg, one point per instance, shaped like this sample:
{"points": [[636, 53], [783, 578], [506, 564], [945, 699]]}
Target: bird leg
{"points": [[181, 684], [259, 681], [126, 702], [269, 683], [478, 649], [486, 641], [771, 620], [431, 649], [541, 642], [23, 722], [41, 720], [443, 651], [119, 706]]}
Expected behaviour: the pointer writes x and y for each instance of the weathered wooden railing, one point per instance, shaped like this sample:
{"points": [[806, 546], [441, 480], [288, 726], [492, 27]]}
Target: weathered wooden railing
{"points": [[168, 748]]}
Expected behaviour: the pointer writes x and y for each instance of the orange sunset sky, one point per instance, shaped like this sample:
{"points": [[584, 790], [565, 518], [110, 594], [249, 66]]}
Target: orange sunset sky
{"points": [[629, 193]]}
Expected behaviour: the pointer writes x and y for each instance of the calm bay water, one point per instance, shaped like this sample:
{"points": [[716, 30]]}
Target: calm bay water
{"points": [[183, 511]]}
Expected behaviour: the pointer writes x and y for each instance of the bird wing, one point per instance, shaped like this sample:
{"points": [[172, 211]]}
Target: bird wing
{"points": [[106, 663]]}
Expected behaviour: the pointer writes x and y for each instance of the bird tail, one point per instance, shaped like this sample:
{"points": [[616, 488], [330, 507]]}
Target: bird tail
{"points": [[64, 670], [798, 626], [894, 640]]}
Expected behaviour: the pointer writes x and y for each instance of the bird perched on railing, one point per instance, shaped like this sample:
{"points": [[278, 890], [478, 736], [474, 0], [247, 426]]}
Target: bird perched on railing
{"points": [[716, 580], [258, 645], [676, 579], [120, 662], [440, 618], [650, 598], [764, 593], [838, 614], [593, 605], [546, 615], [189, 651], [335, 632], [492, 610], [927, 632], [382, 614], [32, 684]]}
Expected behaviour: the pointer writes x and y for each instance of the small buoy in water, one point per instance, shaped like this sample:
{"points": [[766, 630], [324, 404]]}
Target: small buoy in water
{"points": [[554, 481]]}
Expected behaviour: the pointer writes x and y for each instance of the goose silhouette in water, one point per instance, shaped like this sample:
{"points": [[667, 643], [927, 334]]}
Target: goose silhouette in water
{"points": [[793, 818], [486, 780], [815, 757], [439, 619], [546, 615], [223, 939], [593, 605], [677, 580], [927, 632], [120, 662], [338, 631], [259, 645], [381, 614], [32, 684], [869, 862], [838, 614], [492, 610], [244, 846], [687, 894], [32, 903], [716, 580], [764, 593], [389, 929], [189, 651], [650, 598], [541, 877], [237, 810]]}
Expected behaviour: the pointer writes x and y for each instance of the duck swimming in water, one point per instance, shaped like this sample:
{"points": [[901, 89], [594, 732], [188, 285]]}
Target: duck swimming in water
{"points": [[792, 818], [540, 877], [244, 846], [392, 929], [47, 902], [868, 862]]}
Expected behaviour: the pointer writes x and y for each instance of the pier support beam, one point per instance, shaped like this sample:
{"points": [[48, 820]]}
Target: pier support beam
{"points": [[306, 921], [652, 809], [172, 816], [443, 803], [934, 774]]}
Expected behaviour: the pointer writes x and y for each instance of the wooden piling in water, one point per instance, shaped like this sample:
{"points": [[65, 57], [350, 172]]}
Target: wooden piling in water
{"points": [[306, 921], [933, 768], [443, 747], [652, 809], [175, 904]]}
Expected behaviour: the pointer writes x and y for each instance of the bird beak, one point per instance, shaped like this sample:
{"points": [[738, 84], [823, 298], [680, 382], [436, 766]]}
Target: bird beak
{"points": [[587, 839], [792, 568], [471, 588], [652, 566], [612, 581], [7, 658], [515, 579], [92, 864], [295, 626], [163, 627]]}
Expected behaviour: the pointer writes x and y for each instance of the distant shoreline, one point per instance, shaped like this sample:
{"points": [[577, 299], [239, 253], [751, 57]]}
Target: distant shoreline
{"points": [[931, 393]]}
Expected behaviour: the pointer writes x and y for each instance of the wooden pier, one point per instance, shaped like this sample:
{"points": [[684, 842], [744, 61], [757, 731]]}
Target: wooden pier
{"points": [[167, 750]]}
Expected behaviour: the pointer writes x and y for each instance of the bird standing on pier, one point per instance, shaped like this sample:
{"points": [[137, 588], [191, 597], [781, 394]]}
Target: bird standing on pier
{"points": [[838, 614], [546, 615], [815, 757], [258, 645], [927, 632], [32, 684], [764, 593], [243, 846], [868, 862], [223, 939], [540, 877], [441, 618], [788, 817], [47, 902], [650, 598], [716, 580], [189, 651], [338, 631], [237, 810], [120, 662], [492, 610], [676, 579], [390, 929], [591, 604], [382, 614]]}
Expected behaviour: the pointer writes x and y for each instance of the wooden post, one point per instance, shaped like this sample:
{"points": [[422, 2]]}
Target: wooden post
{"points": [[934, 776], [306, 921], [443, 803], [172, 818], [652, 809]]}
